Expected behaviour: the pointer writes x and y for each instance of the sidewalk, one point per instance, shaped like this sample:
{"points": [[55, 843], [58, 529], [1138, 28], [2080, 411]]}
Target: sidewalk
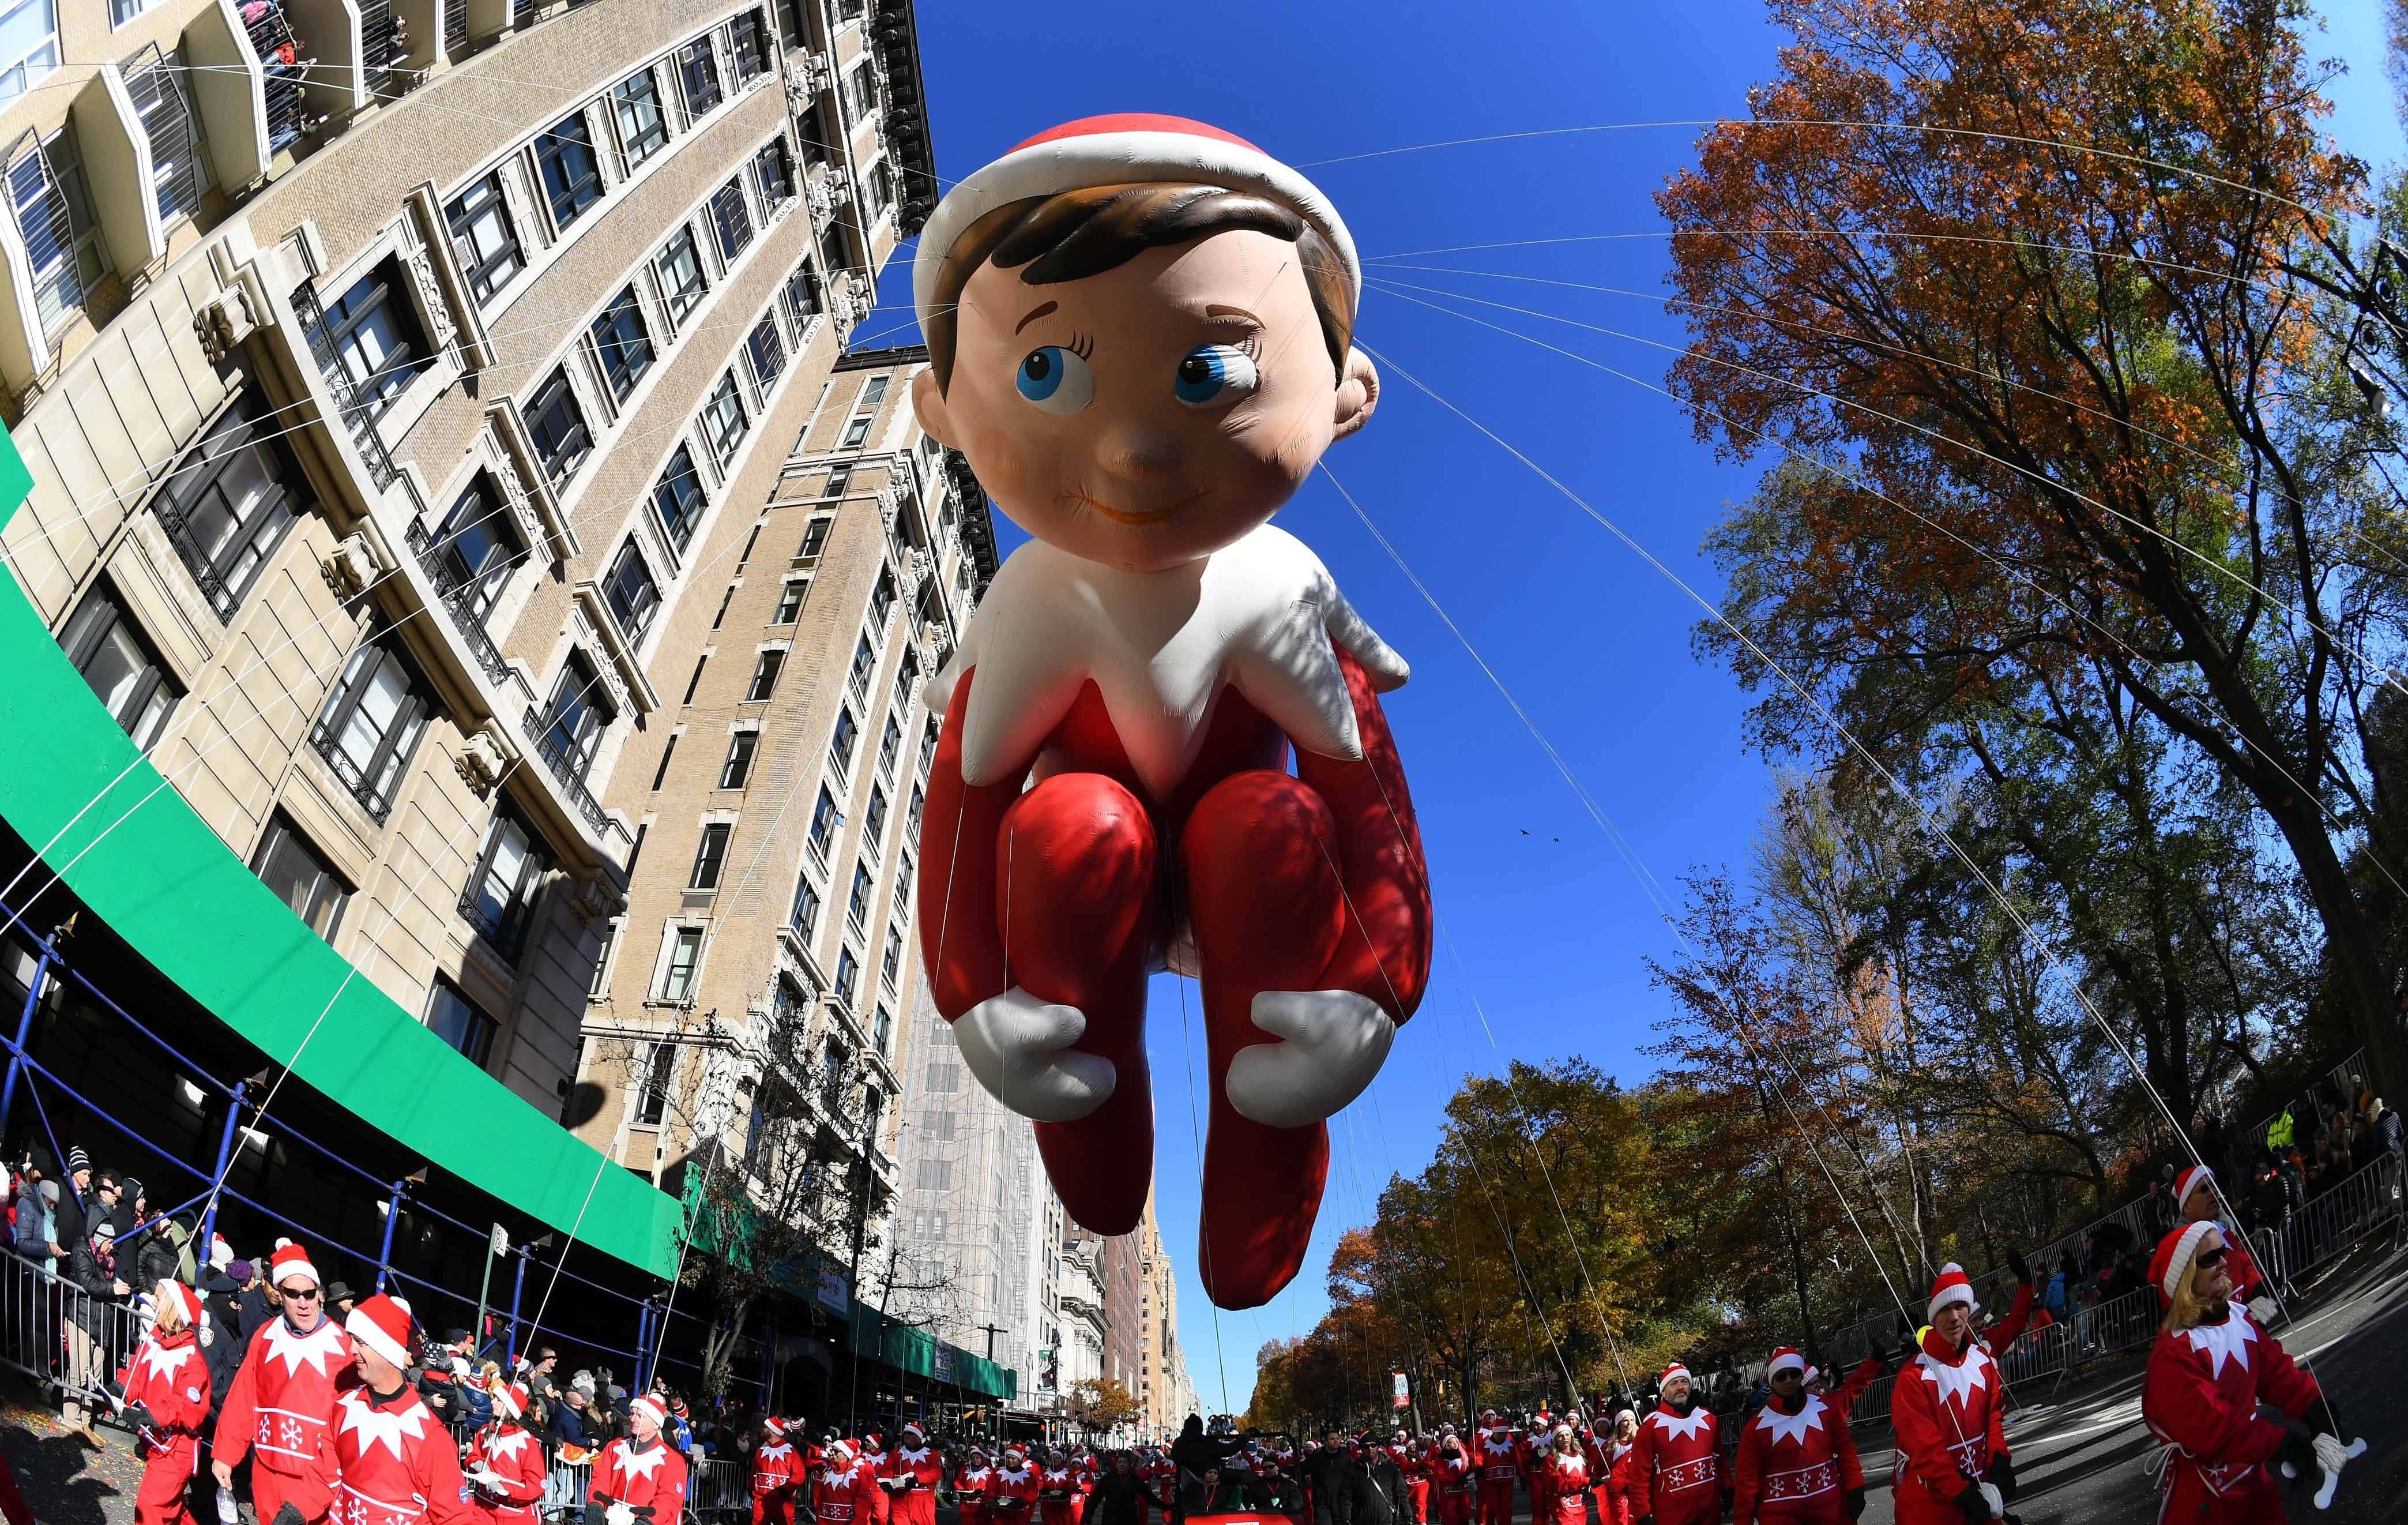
{"points": [[64, 1481]]}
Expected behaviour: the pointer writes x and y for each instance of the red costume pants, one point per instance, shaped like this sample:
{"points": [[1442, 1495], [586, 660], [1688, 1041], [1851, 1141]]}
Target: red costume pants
{"points": [[1497, 1502], [2257, 1500], [165, 1497], [271, 1490], [774, 1507]]}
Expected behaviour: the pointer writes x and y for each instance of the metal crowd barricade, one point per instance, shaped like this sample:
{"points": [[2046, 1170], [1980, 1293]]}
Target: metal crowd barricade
{"points": [[58, 1334], [719, 1489]]}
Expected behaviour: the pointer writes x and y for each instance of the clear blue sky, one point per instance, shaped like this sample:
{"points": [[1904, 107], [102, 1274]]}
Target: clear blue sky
{"points": [[1549, 926]]}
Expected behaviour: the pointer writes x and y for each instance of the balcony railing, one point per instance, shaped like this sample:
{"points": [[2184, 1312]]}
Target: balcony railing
{"points": [[376, 801], [188, 550], [454, 593], [381, 473], [566, 768]]}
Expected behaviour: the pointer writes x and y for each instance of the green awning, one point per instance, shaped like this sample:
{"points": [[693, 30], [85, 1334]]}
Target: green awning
{"points": [[921, 1354]]}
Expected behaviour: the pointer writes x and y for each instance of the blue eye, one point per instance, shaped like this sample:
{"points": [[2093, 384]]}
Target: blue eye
{"points": [[1056, 378], [1210, 374]]}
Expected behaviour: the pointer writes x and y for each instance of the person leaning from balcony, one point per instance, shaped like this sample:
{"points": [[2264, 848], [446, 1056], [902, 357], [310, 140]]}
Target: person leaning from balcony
{"points": [[2209, 1371], [280, 1410], [85, 1326], [1121, 1496]]}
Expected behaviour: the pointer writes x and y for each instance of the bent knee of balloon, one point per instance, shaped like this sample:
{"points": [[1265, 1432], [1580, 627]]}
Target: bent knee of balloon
{"points": [[1261, 838], [1080, 830]]}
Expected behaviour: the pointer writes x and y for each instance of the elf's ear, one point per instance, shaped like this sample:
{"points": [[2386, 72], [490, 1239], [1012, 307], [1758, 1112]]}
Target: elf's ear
{"points": [[928, 403], [1359, 393]]}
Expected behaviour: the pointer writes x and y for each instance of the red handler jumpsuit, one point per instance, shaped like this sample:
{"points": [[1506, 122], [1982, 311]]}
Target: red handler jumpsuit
{"points": [[916, 1475], [776, 1468], [843, 1498], [649, 1479], [510, 1452], [1948, 1412], [1415, 1465], [873, 1461], [1623, 1487], [1795, 1469], [277, 1412], [397, 1465], [2199, 1397], [1596, 1451], [973, 1487], [1013, 1497], [1567, 1484], [169, 1376], [1458, 1486], [1494, 1457], [1677, 1462], [1063, 1495], [1536, 1469]]}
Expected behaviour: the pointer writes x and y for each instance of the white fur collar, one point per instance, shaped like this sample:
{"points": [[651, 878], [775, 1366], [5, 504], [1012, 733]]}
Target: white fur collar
{"points": [[1258, 615]]}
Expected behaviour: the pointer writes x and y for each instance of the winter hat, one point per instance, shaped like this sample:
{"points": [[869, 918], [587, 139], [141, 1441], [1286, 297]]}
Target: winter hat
{"points": [[584, 1382], [1786, 1359], [913, 1433], [2190, 1181], [221, 1253], [77, 1159], [50, 1193], [649, 1407], [2171, 1263], [171, 1290], [238, 1271], [290, 1261], [839, 1452], [382, 1324], [509, 1398], [776, 1426], [1675, 1370], [1951, 1287], [1124, 149]]}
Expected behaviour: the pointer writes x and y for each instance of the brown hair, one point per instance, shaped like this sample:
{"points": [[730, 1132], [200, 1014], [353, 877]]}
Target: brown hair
{"points": [[1076, 233]]}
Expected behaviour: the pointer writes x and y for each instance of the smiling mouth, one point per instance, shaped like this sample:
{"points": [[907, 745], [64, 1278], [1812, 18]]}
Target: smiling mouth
{"points": [[1121, 517]]}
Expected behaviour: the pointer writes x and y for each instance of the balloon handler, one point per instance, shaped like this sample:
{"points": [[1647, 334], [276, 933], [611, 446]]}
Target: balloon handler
{"points": [[1140, 335]]}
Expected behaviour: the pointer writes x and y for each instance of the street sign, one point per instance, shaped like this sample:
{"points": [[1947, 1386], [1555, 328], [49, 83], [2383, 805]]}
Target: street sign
{"points": [[501, 1240], [1404, 1398]]}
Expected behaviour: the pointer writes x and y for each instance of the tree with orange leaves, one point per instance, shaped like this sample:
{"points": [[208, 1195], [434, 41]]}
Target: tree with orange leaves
{"points": [[2056, 312]]}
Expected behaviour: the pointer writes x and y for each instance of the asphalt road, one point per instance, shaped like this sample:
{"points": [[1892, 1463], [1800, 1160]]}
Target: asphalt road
{"points": [[2079, 1454]]}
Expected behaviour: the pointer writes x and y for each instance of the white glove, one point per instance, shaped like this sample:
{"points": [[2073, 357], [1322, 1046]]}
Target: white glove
{"points": [[1990, 1495], [2262, 1309], [2330, 1453], [1019, 1048], [1335, 1043], [486, 1477], [619, 1514]]}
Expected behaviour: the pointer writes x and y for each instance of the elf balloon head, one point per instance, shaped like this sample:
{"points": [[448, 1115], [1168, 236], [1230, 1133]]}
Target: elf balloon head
{"points": [[1140, 333]]}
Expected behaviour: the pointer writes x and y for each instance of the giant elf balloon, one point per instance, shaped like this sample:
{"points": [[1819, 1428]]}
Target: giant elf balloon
{"points": [[1141, 334]]}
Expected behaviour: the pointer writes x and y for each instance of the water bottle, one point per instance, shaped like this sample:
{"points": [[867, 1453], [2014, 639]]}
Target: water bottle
{"points": [[227, 1512]]}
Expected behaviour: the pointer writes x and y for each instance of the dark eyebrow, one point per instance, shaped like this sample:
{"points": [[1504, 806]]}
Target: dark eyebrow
{"points": [[1215, 309], [1037, 312]]}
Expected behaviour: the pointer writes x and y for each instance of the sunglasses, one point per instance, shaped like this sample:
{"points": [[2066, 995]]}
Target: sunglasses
{"points": [[295, 1294], [2207, 1259]]}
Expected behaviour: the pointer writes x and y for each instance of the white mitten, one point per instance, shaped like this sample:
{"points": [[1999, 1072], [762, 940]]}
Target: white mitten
{"points": [[1991, 1496], [619, 1514], [1019, 1048], [1335, 1041], [2262, 1309]]}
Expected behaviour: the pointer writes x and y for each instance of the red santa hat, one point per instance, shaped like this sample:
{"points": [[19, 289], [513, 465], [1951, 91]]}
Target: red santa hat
{"points": [[1124, 149], [288, 1262], [912, 1433], [2171, 1263], [172, 1292], [381, 1323], [776, 1426], [509, 1398], [1786, 1359], [1951, 1287], [651, 1407], [840, 1453], [2190, 1181], [1017, 1457], [1675, 1370]]}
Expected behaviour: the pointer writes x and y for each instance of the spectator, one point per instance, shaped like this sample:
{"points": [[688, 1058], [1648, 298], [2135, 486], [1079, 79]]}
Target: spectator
{"points": [[259, 1301], [572, 1416], [74, 1203], [341, 1300], [222, 1337], [2054, 1296], [162, 1254], [107, 1195], [543, 1387], [30, 1237], [85, 1326]]}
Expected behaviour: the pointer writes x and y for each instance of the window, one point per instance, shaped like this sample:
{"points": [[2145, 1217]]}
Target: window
{"points": [[54, 203], [572, 179], [301, 878], [767, 352], [883, 1030], [805, 916], [699, 73], [732, 218], [632, 596], [857, 903], [873, 391], [375, 339], [912, 813], [773, 173], [881, 596], [677, 498], [837, 482], [225, 507], [824, 822], [748, 43], [841, 744], [890, 744], [117, 661], [725, 598], [682, 282], [903, 890], [765, 676], [873, 822], [475, 551], [892, 965], [372, 724], [929, 744], [556, 425], [848, 974], [509, 880], [574, 720], [906, 672], [865, 90], [740, 759], [724, 423], [660, 1068], [455, 1018], [750, 540], [881, 189], [865, 662], [790, 601], [600, 984], [676, 975], [816, 536], [179, 168], [481, 234], [709, 856], [29, 44], [667, 750], [695, 682], [802, 296], [857, 432], [642, 128], [626, 349]]}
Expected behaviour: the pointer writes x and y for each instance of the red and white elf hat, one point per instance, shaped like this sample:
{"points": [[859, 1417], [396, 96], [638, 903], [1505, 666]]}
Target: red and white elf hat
{"points": [[381, 1323], [2171, 1263], [838, 1454], [1675, 1370], [290, 1261], [170, 1291], [1951, 1286], [1122, 149], [2190, 1181], [509, 1398], [651, 1407], [1786, 1359], [775, 1426]]}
